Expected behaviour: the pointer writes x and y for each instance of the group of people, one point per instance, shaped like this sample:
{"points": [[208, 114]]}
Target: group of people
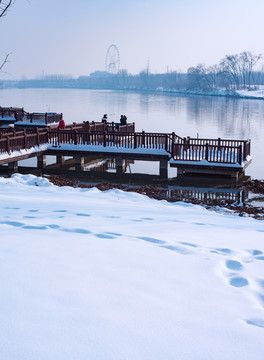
{"points": [[123, 120]]}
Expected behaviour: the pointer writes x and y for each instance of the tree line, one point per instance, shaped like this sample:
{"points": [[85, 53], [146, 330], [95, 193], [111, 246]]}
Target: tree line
{"points": [[233, 72]]}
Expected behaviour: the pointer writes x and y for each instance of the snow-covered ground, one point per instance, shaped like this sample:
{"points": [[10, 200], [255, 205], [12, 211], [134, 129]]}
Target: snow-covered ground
{"points": [[113, 275], [256, 92]]}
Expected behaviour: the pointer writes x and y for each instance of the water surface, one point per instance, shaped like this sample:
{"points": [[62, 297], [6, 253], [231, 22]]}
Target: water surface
{"points": [[203, 116]]}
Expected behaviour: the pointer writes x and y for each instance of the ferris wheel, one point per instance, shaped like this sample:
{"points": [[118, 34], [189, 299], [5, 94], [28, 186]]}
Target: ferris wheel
{"points": [[112, 59]]}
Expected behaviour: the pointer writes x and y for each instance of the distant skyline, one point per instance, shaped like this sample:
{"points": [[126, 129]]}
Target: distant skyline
{"points": [[68, 37]]}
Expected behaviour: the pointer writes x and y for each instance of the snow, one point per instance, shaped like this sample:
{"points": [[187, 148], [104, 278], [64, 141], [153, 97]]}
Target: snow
{"points": [[22, 152], [252, 93], [204, 162], [111, 149], [109, 275], [256, 92], [113, 275]]}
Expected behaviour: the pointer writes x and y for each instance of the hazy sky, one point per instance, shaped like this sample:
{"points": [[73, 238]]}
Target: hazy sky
{"points": [[72, 37]]}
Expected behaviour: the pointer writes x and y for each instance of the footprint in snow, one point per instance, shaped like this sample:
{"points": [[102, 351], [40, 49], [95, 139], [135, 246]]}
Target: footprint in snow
{"points": [[255, 252], [35, 227], [81, 214], [151, 240], [112, 217], [77, 231], [105, 236], [256, 322], [188, 244], [178, 249], [233, 265], [12, 223], [112, 233], [238, 281]]}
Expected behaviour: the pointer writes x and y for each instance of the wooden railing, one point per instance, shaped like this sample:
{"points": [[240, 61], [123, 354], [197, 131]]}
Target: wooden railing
{"points": [[220, 151], [18, 140], [20, 115], [99, 126], [212, 150]]}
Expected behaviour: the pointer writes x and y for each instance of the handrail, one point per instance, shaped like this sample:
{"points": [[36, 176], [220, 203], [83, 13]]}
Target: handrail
{"points": [[179, 149], [20, 115]]}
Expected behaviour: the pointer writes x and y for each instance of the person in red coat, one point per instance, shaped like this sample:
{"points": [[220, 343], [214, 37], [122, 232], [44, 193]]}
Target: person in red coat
{"points": [[61, 125]]}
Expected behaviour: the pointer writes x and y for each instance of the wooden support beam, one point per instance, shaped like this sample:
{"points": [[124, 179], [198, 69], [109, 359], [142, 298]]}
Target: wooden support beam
{"points": [[79, 162], [12, 168], [42, 161], [163, 168]]}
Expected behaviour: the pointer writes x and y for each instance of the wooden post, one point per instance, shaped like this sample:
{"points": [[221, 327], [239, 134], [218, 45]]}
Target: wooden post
{"points": [[60, 160], [75, 138], [37, 132], [46, 118], [8, 145], [42, 161], [104, 138], [163, 168], [206, 151], [135, 140], [79, 162], [12, 167], [119, 165], [172, 145], [245, 150], [240, 154], [143, 138], [25, 139]]}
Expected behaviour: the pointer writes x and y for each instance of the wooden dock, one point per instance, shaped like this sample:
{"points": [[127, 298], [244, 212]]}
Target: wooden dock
{"points": [[203, 156], [189, 155], [23, 119]]}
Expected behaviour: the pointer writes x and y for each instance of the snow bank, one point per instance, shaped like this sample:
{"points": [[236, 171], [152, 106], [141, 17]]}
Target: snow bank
{"points": [[112, 275]]}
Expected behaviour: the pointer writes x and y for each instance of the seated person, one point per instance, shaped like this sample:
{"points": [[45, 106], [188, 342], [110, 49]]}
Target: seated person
{"points": [[123, 120], [104, 119]]}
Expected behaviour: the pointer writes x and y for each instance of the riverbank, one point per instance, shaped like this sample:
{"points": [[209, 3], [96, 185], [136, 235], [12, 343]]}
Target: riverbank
{"points": [[159, 193], [257, 93]]}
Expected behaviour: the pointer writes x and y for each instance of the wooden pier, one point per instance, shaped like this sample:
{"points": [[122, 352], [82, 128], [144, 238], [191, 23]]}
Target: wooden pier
{"points": [[23, 119], [223, 157], [203, 156]]}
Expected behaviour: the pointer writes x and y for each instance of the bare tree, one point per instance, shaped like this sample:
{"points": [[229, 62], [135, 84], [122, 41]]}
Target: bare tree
{"points": [[4, 6], [248, 61], [5, 61], [232, 68]]}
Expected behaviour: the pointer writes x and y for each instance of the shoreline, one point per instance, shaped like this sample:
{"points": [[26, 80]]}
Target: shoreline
{"points": [[158, 193], [219, 93]]}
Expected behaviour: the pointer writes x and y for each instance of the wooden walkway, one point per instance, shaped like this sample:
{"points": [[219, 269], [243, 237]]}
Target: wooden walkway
{"points": [[21, 118], [189, 155]]}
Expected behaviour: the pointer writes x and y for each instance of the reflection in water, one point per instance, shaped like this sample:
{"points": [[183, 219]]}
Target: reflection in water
{"points": [[207, 116]]}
